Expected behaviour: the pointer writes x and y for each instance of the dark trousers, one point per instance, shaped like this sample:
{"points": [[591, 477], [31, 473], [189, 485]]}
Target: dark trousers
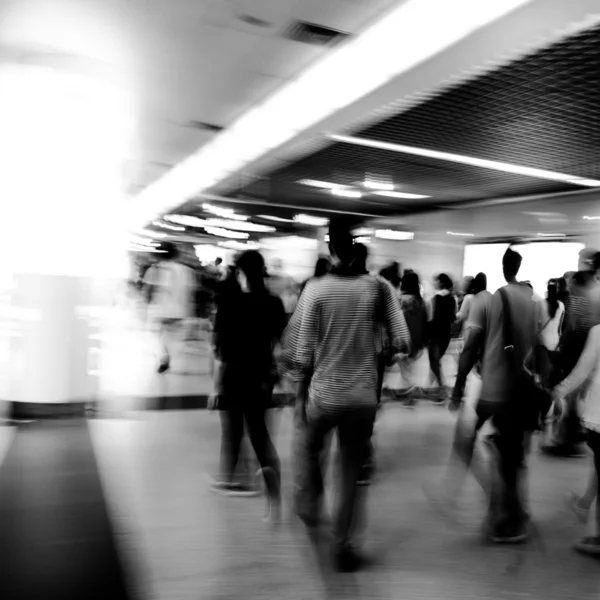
{"points": [[508, 458], [248, 410], [437, 349], [354, 428]]}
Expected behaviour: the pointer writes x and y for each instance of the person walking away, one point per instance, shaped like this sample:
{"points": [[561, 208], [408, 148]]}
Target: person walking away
{"points": [[587, 367], [322, 267], [247, 326], [172, 302], [415, 313], [332, 343], [552, 314], [443, 313], [581, 316], [499, 401]]}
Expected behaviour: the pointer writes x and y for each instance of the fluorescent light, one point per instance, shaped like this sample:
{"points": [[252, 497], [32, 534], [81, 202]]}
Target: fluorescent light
{"points": [[326, 238], [464, 160], [226, 213], [552, 235], [400, 195], [362, 231], [390, 47], [346, 193], [320, 184], [276, 219], [391, 234], [362, 240], [240, 226], [168, 226], [374, 185], [585, 182], [591, 218], [460, 234], [220, 232], [310, 220]]}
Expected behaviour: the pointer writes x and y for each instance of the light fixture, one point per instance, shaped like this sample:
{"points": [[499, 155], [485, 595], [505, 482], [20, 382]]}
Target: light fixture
{"points": [[405, 195], [371, 184], [326, 185], [346, 193], [585, 182], [240, 226], [226, 233], [276, 219], [591, 218], [362, 240], [391, 234], [465, 160], [168, 226], [362, 231], [392, 46], [552, 235], [460, 234], [311, 220], [225, 213]]}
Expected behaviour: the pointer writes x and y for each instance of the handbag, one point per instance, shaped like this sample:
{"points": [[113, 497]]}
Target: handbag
{"points": [[531, 401]]}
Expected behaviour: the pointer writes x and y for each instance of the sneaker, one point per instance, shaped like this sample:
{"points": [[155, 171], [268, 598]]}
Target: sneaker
{"points": [[366, 475], [347, 560], [572, 503], [509, 534], [588, 545], [164, 367], [237, 490]]}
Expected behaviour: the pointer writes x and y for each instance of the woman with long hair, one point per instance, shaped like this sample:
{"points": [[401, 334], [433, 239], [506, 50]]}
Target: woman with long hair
{"points": [[248, 324], [443, 313], [552, 317]]}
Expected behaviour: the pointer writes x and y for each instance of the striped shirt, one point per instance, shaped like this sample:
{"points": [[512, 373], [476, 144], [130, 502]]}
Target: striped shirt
{"points": [[333, 338]]}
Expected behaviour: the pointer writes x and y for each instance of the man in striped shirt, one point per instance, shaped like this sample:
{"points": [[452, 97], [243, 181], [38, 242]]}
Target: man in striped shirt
{"points": [[331, 348]]}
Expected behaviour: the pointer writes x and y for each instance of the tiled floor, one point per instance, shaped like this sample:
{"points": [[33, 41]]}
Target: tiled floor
{"points": [[184, 542]]}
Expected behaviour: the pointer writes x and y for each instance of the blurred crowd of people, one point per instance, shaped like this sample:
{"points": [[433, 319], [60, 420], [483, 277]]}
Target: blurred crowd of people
{"points": [[333, 337]]}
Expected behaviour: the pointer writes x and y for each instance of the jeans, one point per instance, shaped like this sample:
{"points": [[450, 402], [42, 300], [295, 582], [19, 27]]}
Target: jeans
{"points": [[437, 349], [354, 428], [248, 406], [508, 460]]}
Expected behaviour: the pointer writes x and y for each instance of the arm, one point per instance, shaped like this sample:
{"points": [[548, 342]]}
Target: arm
{"points": [[468, 358], [586, 364]]}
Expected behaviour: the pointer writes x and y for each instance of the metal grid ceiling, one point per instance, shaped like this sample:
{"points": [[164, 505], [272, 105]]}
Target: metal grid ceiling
{"points": [[541, 111]]}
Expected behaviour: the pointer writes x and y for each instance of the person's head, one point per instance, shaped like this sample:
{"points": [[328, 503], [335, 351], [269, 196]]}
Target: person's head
{"points": [[322, 267], [511, 264], [250, 267], [341, 241], [219, 261], [169, 251], [443, 282], [467, 285], [586, 260], [410, 284], [479, 283]]}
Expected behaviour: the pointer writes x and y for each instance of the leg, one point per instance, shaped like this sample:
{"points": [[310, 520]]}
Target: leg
{"points": [[309, 476], [591, 544], [434, 360], [232, 432], [355, 428]]}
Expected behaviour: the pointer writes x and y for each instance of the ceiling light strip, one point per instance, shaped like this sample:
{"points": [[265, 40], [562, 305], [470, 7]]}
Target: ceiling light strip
{"points": [[465, 160], [392, 46]]}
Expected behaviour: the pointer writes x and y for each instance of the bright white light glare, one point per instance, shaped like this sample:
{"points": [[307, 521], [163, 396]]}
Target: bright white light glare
{"points": [[144, 242], [226, 213], [326, 185], [391, 46], [390, 234], [585, 182], [405, 195], [233, 245], [552, 235], [591, 218], [461, 159], [345, 193], [363, 231], [326, 238], [374, 185], [311, 220], [240, 226], [276, 219], [168, 226], [460, 234], [362, 240], [220, 232]]}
